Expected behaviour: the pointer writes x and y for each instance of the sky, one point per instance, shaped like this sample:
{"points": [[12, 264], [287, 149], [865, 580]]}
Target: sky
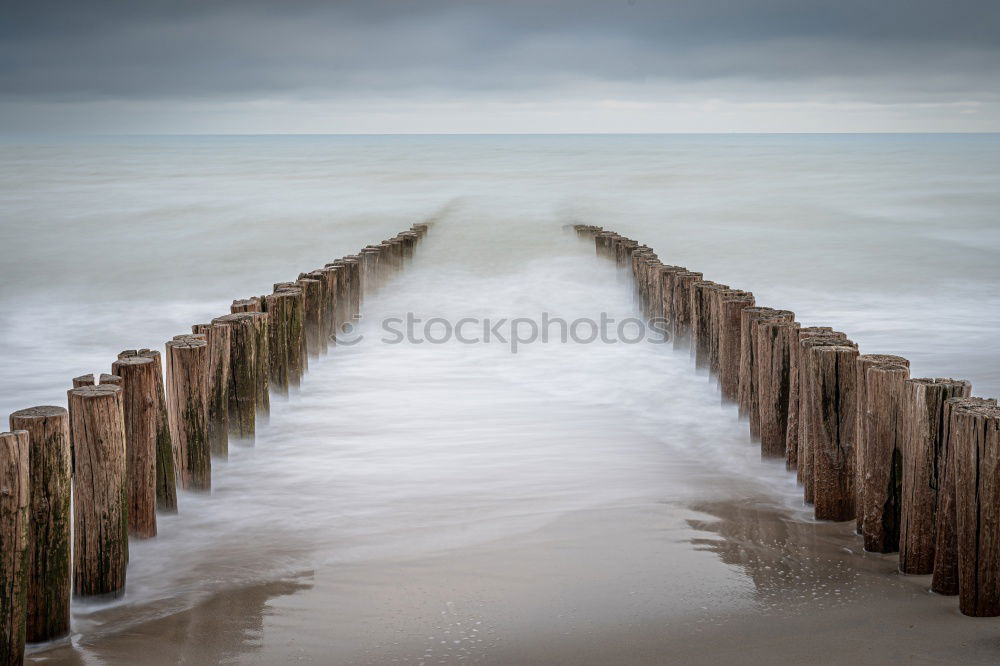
{"points": [[445, 66]]}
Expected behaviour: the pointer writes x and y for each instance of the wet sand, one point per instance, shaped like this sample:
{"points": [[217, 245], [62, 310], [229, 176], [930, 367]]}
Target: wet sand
{"points": [[651, 583]]}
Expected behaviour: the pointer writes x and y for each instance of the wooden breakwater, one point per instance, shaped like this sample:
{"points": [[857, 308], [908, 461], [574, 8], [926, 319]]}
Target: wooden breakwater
{"points": [[129, 437], [914, 462]]}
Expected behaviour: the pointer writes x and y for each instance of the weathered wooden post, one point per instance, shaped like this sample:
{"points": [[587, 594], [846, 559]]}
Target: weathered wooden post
{"points": [[139, 402], [219, 341], [881, 469], [923, 404], [100, 491], [945, 580], [680, 323], [166, 478], [262, 364], [700, 302], [251, 304], [50, 484], [833, 427], [864, 362], [314, 315], [83, 380], [242, 390], [716, 325], [730, 314], [327, 277], [15, 518], [281, 308], [668, 282], [187, 395], [792, 440], [977, 508], [110, 379], [353, 264], [773, 342], [747, 393], [806, 448], [298, 357]]}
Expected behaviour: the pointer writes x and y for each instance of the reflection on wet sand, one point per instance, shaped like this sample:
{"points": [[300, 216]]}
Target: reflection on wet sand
{"points": [[221, 629]]}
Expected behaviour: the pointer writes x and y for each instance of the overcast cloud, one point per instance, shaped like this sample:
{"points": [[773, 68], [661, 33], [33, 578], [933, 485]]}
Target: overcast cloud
{"points": [[546, 65]]}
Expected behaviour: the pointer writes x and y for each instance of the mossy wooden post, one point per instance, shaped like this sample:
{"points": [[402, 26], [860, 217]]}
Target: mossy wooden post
{"points": [[882, 466], [219, 341], [977, 508], [833, 428], [138, 375], [242, 390], [806, 466], [314, 314], [748, 393], [773, 340], [865, 361], [923, 402], [187, 395], [15, 518], [792, 436], [680, 323], [730, 314], [100, 491], [945, 580], [49, 537], [166, 478]]}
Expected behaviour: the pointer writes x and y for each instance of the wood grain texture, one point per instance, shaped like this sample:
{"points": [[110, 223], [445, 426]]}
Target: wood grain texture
{"points": [[747, 394], [49, 535], [833, 430], [139, 402], [923, 420], [730, 315], [14, 535], [773, 340], [100, 491], [187, 397]]}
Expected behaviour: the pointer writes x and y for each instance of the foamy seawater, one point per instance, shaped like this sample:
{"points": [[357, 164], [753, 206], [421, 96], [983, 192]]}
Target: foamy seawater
{"points": [[391, 451]]}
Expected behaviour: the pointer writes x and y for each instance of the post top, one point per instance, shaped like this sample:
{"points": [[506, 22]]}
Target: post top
{"points": [[40, 412]]}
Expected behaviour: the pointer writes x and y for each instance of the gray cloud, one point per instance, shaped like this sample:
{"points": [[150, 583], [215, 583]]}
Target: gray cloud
{"points": [[876, 49]]}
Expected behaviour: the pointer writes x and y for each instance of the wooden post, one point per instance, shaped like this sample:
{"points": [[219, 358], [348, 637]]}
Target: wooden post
{"points": [[882, 466], [111, 379], [353, 264], [716, 324], [15, 518], [166, 478], [680, 323], [50, 485], [668, 281], [242, 390], [977, 508], [328, 277], [298, 357], [219, 341], [773, 342], [923, 413], [792, 439], [700, 297], [251, 304], [314, 314], [806, 448], [833, 421], [945, 579], [747, 395], [729, 316], [262, 364], [864, 362], [281, 308], [83, 380], [138, 375], [100, 491], [187, 395]]}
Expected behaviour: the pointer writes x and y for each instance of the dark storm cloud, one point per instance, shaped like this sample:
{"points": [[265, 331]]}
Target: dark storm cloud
{"points": [[62, 51]]}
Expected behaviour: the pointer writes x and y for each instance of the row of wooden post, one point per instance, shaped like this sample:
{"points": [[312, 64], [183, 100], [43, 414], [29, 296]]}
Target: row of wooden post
{"points": [[129, 437], [915, 462]]}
